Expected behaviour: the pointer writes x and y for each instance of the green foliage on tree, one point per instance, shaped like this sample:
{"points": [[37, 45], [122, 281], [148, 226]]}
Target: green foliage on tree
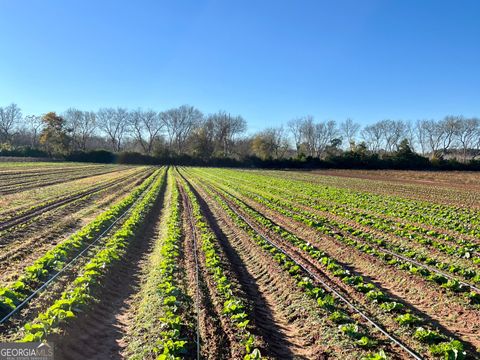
{"points": [[55, 137]]}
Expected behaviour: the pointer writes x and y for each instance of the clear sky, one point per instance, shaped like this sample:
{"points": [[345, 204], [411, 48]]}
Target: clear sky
{"points": [[266, 60]]}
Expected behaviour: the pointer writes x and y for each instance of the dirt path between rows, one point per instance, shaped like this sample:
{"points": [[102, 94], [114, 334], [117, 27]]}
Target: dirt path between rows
{"points": [[282, 317], [217, 338], [461, 320], [52, 229], [99, 333]]}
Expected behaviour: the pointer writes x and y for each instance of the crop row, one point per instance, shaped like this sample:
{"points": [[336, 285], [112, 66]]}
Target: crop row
{"points": [[328, 227], [76, 297], [16, 179], [233, 306], [433, 196], [12, 213], [461, 248], [377, 240], [159, 327], [451, 217], [424, 333], [54, 260], [456, 219], [431, 192], [51, 179], [337, 313]]}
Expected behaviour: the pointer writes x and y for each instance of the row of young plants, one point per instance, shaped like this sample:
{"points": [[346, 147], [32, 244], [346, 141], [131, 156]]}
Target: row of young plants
{"points": [[276, 199], [12, 212], [415, 191], [461, 247], [15, 212], [418, 328], [159, 328], [12, 177], [53, 183], [450, 217], [361, 240], [234, 307], [49, 179], [467, 273], [79, 294], [337, 313], [460, 220], [54, 259], [310, 199]]}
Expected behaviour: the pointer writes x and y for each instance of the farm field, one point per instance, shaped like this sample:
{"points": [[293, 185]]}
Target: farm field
{"points": [[110, 261]]}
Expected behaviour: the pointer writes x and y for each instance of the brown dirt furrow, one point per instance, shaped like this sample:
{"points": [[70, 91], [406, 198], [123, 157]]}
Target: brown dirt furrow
{"points": [[392, 238], [19, 220], [98, 333], [52, 230], [22, 179], [214, 333], [290, 324], [463, 321], [279, 338], [57, 180], [370, 308]]}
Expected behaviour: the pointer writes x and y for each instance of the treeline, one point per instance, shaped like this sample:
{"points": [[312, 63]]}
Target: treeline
{"points": [[185, 135]]}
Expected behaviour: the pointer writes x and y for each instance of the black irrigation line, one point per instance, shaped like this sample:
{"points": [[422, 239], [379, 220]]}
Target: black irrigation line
{"points": [[71, 262], [396, 341], [197, 276], [379, 248], [472, 287], [30, 185], [27, 177], [5, 225], [404, 258]]}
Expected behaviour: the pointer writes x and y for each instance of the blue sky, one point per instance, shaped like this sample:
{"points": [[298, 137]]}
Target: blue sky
{"points": [[266, 60]]}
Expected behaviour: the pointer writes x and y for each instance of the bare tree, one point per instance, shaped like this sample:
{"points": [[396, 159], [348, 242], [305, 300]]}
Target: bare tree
{"points": [[450, 127], [372, 135], [34, 124], [477, 146], [280, 142], [349, 129], [393, 131], [146, 127], [309, 139], [410, 135], [10, 116], [87, 128], [82, 125], [202, 141], [434, 135], [469, 136], [295, 127], [113, 122], [226, 128], [73, 118], [325, 132], [180, 122], [421, 135]]}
